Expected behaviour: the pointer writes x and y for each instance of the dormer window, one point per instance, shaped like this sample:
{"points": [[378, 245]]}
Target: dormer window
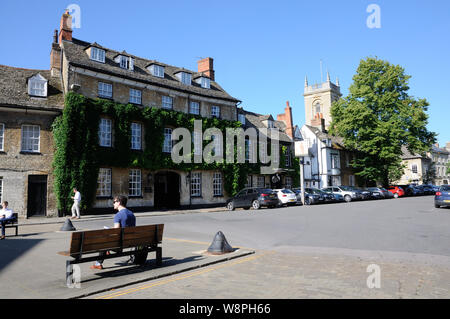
{"points": [[184, 77], [270, 124], [37, 86], [97, 54], [156, 70], [125, 62], [204, 82]]}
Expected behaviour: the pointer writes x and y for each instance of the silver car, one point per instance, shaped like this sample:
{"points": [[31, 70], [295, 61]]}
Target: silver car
{"points": [[347, 192]]}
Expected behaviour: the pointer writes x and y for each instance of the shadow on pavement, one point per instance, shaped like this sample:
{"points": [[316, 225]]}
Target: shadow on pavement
{"points": [[122, 268], [11, 249]]}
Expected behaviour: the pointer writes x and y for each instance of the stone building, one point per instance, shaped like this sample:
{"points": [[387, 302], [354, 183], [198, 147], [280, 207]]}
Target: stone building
{"points": [[282, 130], [30, 100], [440, 158], [328, 162], [417, 168], [95, 71]]}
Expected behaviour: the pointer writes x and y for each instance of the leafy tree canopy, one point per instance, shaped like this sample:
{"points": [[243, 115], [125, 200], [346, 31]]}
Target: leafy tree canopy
{"points": [[378, 117]]}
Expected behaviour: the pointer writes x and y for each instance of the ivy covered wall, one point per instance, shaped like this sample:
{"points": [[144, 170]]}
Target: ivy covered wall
{"points": [[78, 155]]}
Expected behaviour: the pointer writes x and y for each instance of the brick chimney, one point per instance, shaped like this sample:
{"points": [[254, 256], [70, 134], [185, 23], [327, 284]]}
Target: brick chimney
{"points": [[65, 29], [206, 66], [319, 122], [287, 119]]}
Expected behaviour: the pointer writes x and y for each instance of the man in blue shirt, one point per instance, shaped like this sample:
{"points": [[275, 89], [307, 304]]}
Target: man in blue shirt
{"points": [[124, 218]]}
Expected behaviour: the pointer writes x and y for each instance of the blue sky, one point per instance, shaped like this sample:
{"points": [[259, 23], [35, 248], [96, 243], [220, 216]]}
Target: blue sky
{"points": [[262, 50]]}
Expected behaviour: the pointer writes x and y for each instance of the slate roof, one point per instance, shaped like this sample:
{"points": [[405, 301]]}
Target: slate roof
{"points": [[14, 89], [336, 141], [75, 52], [440, 150], [255, 120]]}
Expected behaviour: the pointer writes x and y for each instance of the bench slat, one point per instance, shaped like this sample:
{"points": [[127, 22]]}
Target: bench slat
{"points": [[110, 239]]}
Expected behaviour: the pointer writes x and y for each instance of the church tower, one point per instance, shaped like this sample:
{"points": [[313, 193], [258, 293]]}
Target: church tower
{"points": [[318, 99]]}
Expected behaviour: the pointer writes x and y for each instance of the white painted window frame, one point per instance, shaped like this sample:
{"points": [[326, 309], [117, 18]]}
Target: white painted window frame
{"points": [[136, 136], [104, 182], [105, 90], [29, 142], [135, 96], [98, 54], [105, 132], [135, 183]]}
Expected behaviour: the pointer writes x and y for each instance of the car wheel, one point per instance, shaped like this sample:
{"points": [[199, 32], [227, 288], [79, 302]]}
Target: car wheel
{"points": [[437, 206], [347, 198], [256, 204], [307, 201], [396, 195], [246, 208], [230, 206]]}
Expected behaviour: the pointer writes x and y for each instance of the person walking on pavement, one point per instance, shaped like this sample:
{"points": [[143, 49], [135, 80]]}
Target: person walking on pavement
{"points": [[76, 204], [6, 215], [123, 218]]}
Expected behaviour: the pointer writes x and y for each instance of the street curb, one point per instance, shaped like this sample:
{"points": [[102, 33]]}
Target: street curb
{"points": [[103, 217], [243, 254]]}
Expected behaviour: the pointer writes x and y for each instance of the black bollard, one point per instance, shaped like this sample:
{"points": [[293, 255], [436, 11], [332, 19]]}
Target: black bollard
{"points": [[68, 226], [220, 245]]}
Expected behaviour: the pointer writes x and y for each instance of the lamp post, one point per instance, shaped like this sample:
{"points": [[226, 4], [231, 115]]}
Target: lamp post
{"points": [[302, 186], [301, 150]]}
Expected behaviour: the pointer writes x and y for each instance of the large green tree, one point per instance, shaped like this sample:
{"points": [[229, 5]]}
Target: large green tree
{"points": [[378, 117]]}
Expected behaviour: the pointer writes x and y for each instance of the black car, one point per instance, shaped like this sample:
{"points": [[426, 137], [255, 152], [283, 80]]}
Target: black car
{"points": [[324, 196], [377, 193], [253, 197], [310, 196], [365, 193]]}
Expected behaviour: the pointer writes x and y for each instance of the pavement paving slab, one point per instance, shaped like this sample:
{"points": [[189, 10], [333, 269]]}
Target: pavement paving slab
{"points": [[30, 267]]}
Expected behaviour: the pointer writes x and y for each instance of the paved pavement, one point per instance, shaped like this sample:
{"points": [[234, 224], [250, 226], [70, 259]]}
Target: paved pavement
{"points": [[30, 267]]}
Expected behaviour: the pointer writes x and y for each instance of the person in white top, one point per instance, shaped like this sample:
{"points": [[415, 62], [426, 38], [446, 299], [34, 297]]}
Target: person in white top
{"points": [[6, 215], [76, 204]]}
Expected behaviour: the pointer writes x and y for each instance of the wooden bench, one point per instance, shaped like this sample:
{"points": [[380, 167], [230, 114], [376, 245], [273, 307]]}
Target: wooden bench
{"points": [[120, 241], [13, 223]]}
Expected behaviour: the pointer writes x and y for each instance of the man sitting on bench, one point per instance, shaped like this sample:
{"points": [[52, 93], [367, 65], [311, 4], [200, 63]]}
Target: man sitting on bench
{"points": [[6, 215], [124, 218]]}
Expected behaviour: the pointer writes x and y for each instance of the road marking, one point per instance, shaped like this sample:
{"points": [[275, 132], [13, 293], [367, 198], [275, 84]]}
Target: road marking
{"points": [[197, 273]]}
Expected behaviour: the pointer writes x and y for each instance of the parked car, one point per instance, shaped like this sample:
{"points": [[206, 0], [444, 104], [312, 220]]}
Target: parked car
{"points": [[397, 191], [411, 190], [379, 193], [387, 194], [365, 193], [346, 191], [326, 197], [310, 197], [286, 196], [253, 197], [337, 197], [442, 196], [427, 189], [419, 191]]}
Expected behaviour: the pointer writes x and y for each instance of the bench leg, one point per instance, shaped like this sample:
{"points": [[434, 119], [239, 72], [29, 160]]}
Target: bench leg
{"points": [[158, 256]]}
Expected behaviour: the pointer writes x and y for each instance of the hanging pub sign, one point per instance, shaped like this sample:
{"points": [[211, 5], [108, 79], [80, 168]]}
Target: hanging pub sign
{"points": [[301, 149]]}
